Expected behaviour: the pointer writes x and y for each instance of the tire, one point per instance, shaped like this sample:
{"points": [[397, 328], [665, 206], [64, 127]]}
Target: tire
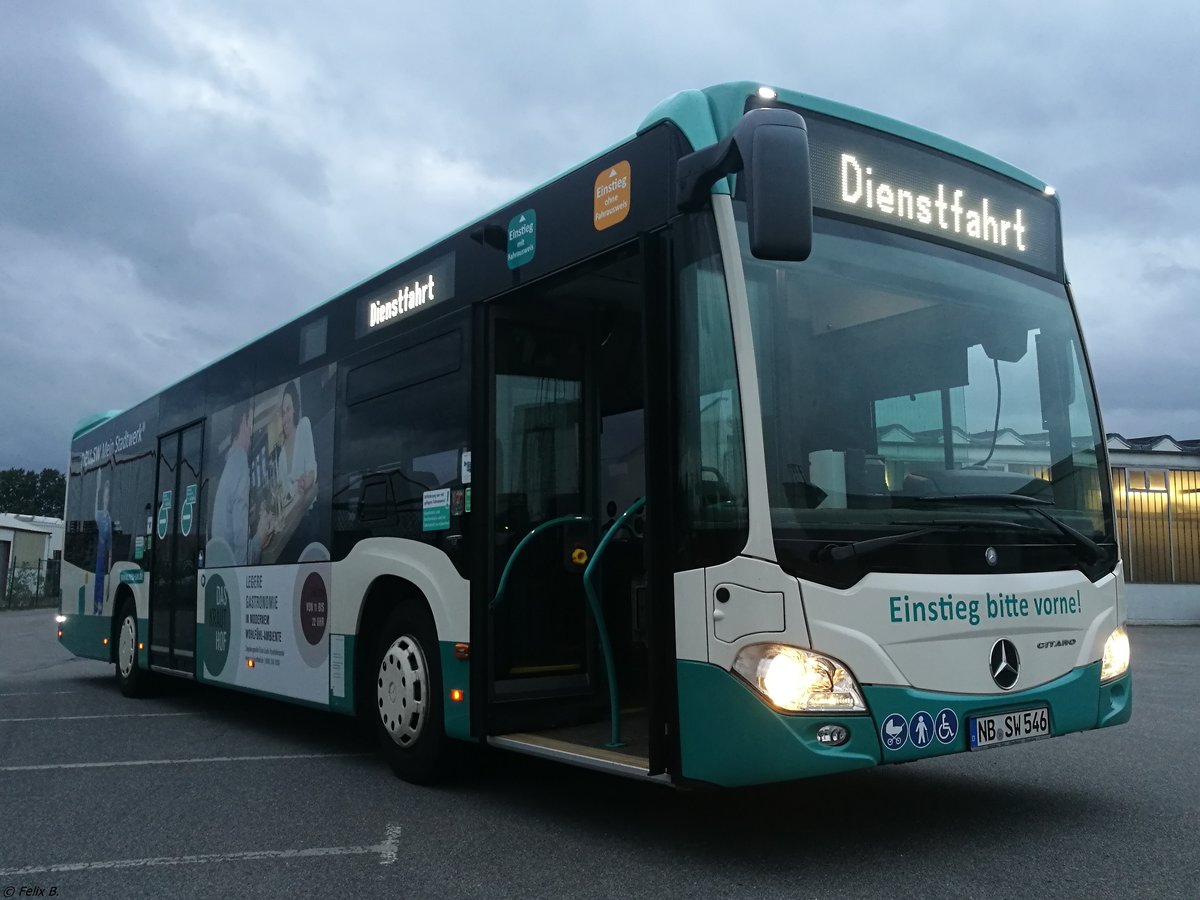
{"points": [[407, 697], [133, 680]]}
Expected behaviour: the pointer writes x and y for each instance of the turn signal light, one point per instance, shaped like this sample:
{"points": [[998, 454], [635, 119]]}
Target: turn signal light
{"points": [[249, 664], [462, 651], [60, 632], [456, 695], [105, 642], [141, 646]]}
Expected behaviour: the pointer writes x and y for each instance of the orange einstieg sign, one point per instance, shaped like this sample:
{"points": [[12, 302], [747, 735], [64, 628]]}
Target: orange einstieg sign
{"points": [[611, 196]]}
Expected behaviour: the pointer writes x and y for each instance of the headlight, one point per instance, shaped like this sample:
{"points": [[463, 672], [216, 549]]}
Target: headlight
{"points": [[1116, 655], [796, 680]]}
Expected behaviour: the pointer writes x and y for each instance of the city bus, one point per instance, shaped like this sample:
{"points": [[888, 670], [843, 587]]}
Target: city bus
{"points": [[762, 445]]}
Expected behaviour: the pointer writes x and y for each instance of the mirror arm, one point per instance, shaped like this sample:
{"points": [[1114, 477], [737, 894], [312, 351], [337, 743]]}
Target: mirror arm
{"points": [[697, 172]]}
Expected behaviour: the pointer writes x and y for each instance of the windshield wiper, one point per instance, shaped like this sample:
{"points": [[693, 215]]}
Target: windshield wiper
{"points": [[843, 552], [1092, 550]]}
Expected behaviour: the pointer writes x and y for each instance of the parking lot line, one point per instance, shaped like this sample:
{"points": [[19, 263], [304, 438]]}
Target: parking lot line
{"points": [[386, 850], [46, 767], [104, 716]]}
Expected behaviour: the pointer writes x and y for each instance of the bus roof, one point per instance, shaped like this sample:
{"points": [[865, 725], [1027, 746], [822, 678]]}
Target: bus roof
{"points": [[704, 117], [95, 420]]}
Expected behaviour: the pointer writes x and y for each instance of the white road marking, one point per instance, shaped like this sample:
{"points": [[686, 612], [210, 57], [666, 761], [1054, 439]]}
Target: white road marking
{"points": [[174, 762], [390, 846], [36, 693], [387, 851], [105, 716]]}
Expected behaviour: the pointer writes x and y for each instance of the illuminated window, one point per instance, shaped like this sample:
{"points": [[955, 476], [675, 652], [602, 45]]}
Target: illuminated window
{"points": [[1147, 479]]}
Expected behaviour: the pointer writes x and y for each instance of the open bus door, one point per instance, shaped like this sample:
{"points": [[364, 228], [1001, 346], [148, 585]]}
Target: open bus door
{"points": [[568, 632]]}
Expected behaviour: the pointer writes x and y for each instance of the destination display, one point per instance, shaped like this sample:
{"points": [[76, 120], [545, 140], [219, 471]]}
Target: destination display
{"points": [[431, 284], [869, 175]]}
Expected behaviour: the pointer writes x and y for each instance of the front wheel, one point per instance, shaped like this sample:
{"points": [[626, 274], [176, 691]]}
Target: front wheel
{"points": [[408, 698], [133, 680]]}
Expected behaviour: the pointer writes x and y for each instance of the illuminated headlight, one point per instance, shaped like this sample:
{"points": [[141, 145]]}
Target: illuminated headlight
{"points": [[60, 619], [796, 680], [1116, 655]]}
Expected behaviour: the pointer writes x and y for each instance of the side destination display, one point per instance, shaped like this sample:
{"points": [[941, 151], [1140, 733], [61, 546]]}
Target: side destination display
{"points": [[866, 174], [417, 289]]}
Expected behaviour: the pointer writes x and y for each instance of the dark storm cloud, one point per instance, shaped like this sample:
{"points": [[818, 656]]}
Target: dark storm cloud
{"points": [[176, 179], [92, 167]]}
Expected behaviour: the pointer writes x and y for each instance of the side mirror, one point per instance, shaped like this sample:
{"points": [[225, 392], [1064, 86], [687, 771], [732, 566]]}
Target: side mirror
{"points": [[770, 148]]}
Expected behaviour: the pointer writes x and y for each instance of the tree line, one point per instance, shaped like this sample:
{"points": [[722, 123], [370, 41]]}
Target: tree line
{"points": [[27, 492]]}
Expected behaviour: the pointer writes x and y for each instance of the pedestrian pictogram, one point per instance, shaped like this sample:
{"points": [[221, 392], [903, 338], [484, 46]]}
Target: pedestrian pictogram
{"points": [[920, 729]]}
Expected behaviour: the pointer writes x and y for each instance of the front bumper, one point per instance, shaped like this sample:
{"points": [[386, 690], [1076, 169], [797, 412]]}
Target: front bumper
{"points": [[730, 737]]}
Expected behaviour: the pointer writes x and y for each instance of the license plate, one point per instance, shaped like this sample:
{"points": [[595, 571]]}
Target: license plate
{"points": [[1009, 728]]}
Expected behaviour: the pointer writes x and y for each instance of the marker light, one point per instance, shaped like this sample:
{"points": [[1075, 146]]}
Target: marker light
{"points": [[1116, 655], [249, 664], [456, 695], [141, 646], [60, 632], [796, 680], [60, 619], [104, 642], [767, 93], [1048, 191]]}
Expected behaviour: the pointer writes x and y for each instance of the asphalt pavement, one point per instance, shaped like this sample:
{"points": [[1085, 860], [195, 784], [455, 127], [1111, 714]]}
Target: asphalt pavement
{"points": [[196, 792]]}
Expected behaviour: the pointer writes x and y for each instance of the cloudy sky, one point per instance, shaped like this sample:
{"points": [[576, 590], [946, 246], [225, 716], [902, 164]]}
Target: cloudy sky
{"points": [[176, 178]]}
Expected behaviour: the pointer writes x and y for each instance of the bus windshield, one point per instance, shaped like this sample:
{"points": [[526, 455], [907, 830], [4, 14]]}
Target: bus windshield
{"points": [[905, 384]]}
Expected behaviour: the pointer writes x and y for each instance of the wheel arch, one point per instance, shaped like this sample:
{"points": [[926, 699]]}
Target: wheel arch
{"points": [[376, 576], [384, 595]]}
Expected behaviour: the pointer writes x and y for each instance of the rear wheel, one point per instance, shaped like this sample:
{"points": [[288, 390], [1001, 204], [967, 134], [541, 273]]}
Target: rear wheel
{"points": [[407, 697], [133, 680]]}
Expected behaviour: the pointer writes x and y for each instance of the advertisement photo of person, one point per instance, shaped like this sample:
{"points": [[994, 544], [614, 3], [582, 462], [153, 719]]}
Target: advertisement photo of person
{"points": [[277, 452], [104, 530], [230, 524], [296, 467]]}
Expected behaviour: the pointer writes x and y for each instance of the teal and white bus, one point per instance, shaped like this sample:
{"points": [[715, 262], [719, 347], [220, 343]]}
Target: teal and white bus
{"points": [[760, 446]]}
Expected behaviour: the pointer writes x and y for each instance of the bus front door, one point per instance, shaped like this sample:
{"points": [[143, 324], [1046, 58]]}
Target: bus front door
{"points": [[177, 525], [543, 519], [565, 444]]}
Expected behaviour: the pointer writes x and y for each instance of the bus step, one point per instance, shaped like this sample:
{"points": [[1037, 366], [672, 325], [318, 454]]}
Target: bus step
{"points": [[599, 758]]}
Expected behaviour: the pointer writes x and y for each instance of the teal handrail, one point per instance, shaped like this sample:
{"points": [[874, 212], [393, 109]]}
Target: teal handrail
{"points": [[521, 546], [610, 665]]}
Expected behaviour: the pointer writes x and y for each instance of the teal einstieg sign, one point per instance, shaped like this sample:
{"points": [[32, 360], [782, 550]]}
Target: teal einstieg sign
{"points": [[522, 238]]}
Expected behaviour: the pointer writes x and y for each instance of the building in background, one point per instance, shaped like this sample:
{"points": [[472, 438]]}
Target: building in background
{"points": [[30, 550], [1156, 498]]}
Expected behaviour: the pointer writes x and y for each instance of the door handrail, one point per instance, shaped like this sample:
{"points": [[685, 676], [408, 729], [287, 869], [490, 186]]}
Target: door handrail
{"points": [[597, 610], [560, 520], [610, 665]]}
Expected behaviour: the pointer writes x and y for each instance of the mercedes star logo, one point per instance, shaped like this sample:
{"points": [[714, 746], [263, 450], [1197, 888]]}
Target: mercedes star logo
{"points": [[990, 555], [1005, 664]]}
